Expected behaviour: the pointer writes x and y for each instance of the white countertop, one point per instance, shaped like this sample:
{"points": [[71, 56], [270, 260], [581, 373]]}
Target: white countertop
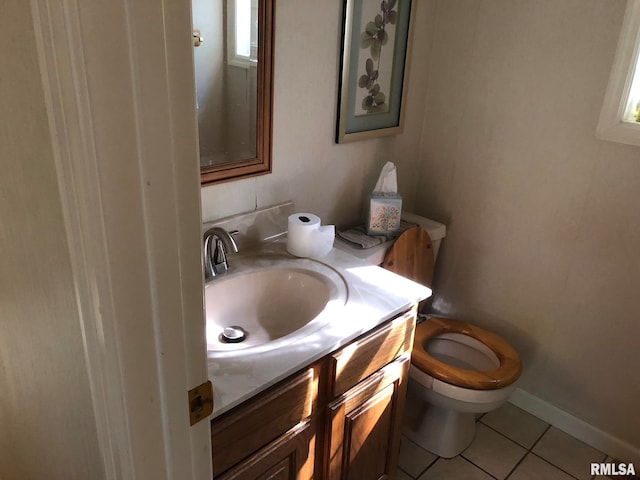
{"points": [[374, 295]]}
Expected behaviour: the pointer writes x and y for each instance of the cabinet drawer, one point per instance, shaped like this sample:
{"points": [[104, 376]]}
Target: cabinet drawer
{"points": [[371, 352], [289, 456], [251, 426]]}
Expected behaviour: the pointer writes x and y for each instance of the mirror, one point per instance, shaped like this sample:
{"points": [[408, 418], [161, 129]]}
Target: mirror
{"points": [[233, 56]]}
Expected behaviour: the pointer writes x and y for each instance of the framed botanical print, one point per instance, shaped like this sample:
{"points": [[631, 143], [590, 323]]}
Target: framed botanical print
{"points": [[374, 68]]}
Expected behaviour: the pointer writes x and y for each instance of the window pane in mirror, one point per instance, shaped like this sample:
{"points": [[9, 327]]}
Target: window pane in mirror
{"points": [[243, 28]]}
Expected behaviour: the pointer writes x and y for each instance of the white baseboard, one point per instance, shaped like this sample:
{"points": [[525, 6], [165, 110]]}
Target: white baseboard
{"points": [[603, 441]]}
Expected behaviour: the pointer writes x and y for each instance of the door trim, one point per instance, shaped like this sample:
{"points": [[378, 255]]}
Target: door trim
{"points": [[118, 83]]}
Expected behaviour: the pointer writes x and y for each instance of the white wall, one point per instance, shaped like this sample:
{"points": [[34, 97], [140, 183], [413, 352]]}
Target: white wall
{"points": [[47, 424], [543, 219], [308, 167]]}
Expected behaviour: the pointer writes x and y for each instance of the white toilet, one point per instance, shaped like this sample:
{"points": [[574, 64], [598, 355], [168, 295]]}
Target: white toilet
{"points": [[458, 370]]}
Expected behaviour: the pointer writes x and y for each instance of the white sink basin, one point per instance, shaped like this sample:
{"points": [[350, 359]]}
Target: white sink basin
{"points": [[268, 301]]}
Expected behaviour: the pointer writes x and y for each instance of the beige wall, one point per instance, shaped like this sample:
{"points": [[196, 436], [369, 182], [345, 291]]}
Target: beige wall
{"points": [[47, 426], [308, 167], [544, 224]]}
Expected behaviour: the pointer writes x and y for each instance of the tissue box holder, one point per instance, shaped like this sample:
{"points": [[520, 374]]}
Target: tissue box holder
{"points": [[385, 210]]}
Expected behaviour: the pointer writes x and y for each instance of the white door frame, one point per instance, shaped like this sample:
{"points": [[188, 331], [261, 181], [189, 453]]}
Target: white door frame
{"points": [[118, 81]]}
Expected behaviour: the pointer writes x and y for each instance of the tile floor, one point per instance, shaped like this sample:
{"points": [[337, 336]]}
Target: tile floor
{"points": [[510, 444]]}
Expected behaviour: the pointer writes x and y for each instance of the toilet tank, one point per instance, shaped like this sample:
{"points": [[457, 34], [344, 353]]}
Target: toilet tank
{"points": [[375, 255], [436, 230]]}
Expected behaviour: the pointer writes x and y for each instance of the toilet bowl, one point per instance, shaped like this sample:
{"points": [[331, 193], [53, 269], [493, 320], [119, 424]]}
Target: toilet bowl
{"points": [[458, 370]]}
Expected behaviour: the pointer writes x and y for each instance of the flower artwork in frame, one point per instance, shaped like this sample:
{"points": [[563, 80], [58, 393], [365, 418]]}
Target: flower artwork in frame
{"points": [[374, 68]]}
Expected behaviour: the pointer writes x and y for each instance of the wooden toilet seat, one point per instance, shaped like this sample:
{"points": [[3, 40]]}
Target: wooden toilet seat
{"points": [[507, 373], [411, 256]]}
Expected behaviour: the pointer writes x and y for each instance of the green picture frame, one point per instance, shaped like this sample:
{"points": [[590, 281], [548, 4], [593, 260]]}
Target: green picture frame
{"points": [[376, 45]]}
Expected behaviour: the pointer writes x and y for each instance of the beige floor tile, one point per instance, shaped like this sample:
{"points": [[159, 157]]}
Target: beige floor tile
{"points": [[567, 453], [402, 475], [413, 459], [516, 424], [534, 468], [493, 452], [456, 468]]}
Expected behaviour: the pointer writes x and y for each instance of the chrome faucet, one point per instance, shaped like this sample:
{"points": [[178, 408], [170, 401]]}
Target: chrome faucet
{"points": [[217, 243]]}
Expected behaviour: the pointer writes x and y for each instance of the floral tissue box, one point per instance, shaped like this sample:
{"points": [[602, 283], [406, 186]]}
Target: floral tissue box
{"points": [[385, 210]]}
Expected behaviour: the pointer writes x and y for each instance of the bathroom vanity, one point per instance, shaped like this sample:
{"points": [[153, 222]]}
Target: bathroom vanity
{"points": [[317, 390], [340, 415]]}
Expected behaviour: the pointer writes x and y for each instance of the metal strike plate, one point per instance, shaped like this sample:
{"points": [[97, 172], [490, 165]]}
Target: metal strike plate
{"points": [[200, 402]]}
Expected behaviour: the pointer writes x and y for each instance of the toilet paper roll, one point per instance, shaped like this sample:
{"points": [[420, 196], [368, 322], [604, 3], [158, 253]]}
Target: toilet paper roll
{"points": [[306, 236]]}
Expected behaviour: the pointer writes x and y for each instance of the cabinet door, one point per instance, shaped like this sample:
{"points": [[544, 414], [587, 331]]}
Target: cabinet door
{"points": [[365, 426], [290, 457]]}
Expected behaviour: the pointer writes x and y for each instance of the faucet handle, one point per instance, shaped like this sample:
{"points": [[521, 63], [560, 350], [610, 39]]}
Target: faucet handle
{"points": [[219, 257]]}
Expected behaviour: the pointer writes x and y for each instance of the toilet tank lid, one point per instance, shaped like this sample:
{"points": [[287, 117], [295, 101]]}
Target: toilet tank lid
{"points": [[436, 230]]}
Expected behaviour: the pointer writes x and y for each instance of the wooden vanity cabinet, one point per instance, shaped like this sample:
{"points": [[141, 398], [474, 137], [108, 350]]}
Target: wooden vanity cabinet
{"points": [[273, 422], [338, 419], [364, 418], [289, 457]]}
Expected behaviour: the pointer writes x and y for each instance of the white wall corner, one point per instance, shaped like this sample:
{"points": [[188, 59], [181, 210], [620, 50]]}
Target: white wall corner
{"points": [[577, 428]]}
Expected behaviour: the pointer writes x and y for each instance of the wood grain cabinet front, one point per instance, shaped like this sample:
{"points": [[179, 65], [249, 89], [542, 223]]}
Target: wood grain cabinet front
{"points": [[251, 426], [371, 352], [290, 457], [338, 419], [364, 426]]}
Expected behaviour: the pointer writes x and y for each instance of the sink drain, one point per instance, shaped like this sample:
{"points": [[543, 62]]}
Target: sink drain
{"points": [[233, 334]]}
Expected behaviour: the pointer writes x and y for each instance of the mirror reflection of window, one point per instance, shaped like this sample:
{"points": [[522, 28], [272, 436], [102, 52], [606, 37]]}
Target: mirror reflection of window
{"points": [[242, 32], [243, 27]]}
